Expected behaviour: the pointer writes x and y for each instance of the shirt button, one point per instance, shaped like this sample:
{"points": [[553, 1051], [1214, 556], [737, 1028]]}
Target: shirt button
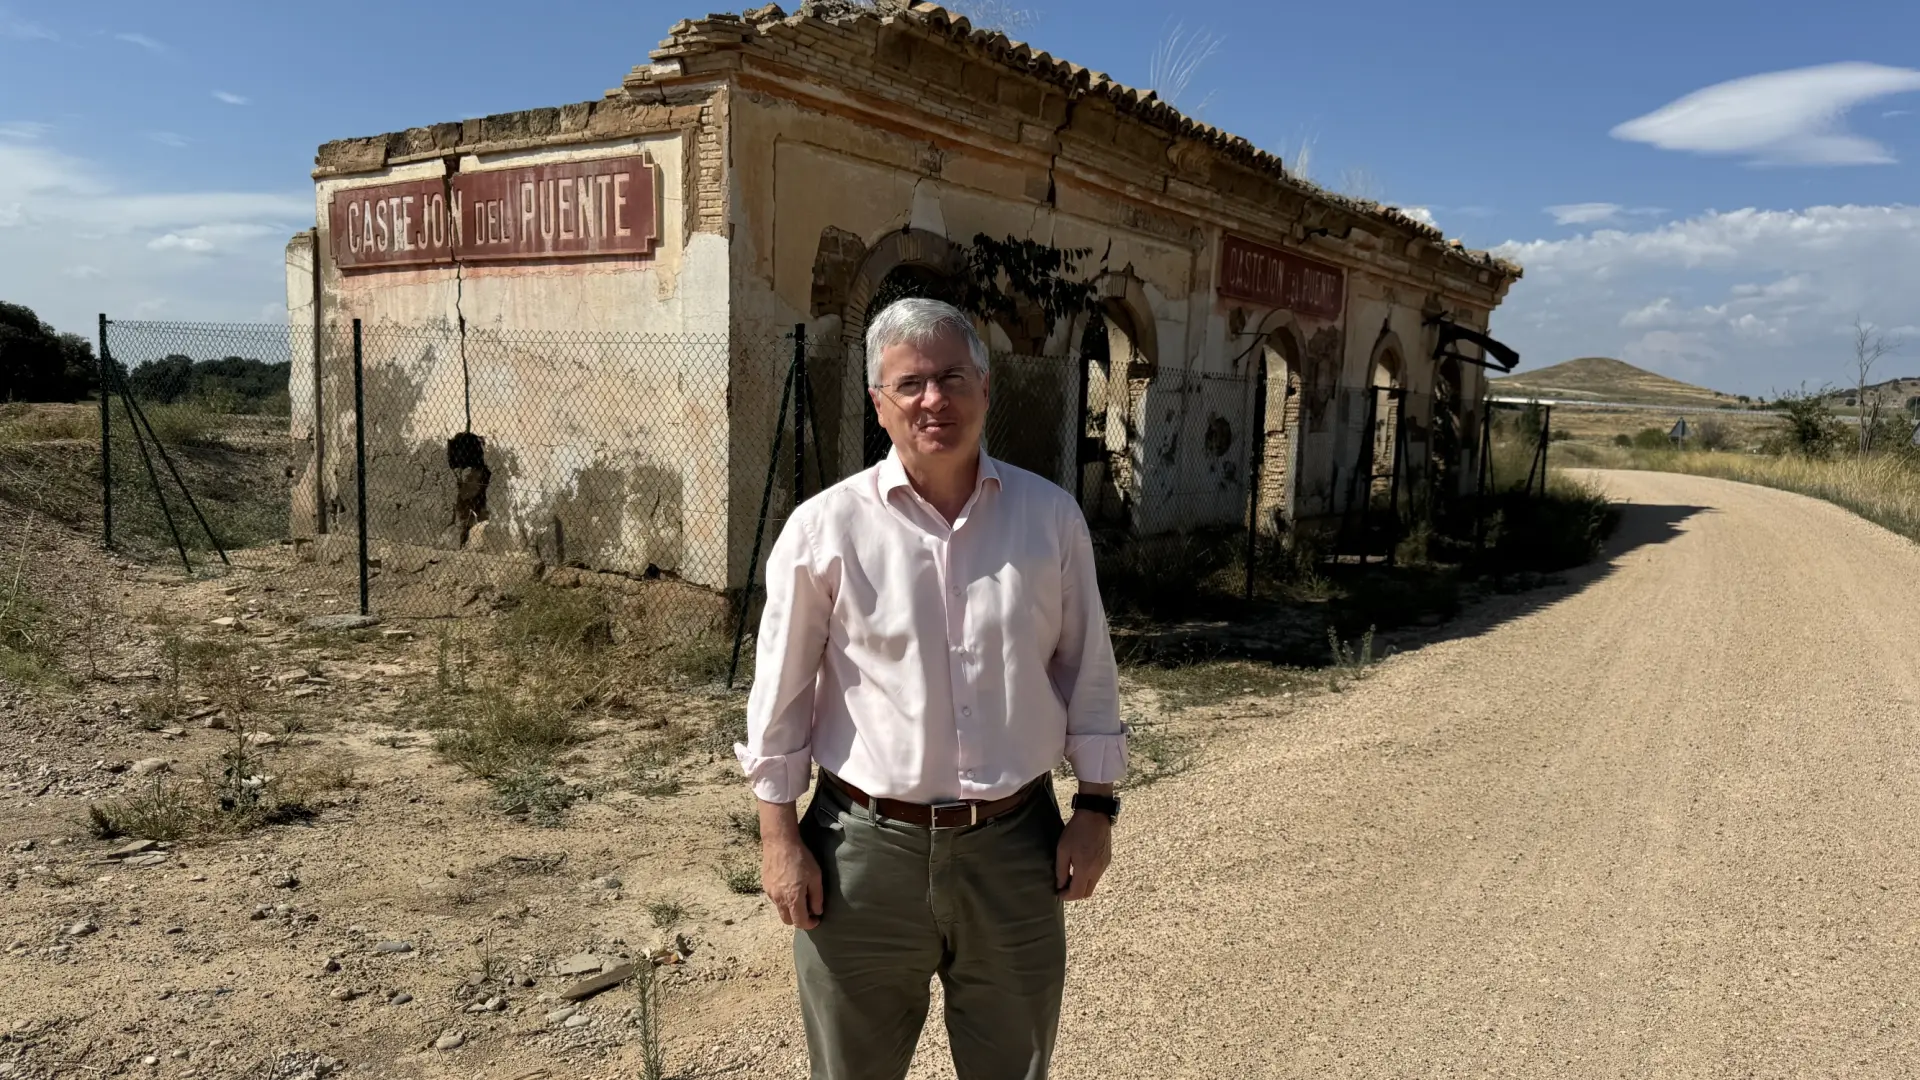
{"points": [[955, 590], [966, 711]]}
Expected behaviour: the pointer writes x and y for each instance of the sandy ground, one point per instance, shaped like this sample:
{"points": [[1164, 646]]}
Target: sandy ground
{"points": [[1662, 825], [1655, 821]]}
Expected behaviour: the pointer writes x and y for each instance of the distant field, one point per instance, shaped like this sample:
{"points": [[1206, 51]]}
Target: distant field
{"points": [[1744, 430]]}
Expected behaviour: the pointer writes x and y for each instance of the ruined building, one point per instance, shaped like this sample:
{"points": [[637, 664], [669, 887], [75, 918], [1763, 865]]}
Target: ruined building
{"points": [[769, 170]]}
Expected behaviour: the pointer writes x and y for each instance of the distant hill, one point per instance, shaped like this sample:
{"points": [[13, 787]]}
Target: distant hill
{"points": [[1602, 378], [1895, 392]]}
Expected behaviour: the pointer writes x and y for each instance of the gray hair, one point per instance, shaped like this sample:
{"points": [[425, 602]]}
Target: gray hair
{"points": [[916, 321]]}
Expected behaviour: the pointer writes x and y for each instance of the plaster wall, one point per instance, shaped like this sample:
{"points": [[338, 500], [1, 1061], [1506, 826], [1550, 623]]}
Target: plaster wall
{"points": [[307, 501], [599, 385], [803, 174]]}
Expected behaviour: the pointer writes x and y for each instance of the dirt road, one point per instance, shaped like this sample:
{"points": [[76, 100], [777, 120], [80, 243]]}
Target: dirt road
{"points": [[1661, 826]]}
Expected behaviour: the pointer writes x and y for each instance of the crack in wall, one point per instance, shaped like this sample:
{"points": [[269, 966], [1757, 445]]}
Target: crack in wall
{"points": [[452, 168]]}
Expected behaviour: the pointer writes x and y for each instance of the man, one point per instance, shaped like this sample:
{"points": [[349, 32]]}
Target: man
{"points": [[933, 637]]}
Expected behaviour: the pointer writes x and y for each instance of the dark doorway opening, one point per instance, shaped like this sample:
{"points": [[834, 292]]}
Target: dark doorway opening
{"points": [[902, 282]]}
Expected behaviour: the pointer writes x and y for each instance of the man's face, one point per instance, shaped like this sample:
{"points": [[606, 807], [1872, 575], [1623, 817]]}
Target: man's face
{"points": [[931, 399]]}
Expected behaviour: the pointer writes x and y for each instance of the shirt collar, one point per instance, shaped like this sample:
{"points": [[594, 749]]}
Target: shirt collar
{"points": [[893, 475]]}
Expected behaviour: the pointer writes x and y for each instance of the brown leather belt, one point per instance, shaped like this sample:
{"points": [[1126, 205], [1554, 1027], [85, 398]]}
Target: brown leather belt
{"points": [[950, 815]]}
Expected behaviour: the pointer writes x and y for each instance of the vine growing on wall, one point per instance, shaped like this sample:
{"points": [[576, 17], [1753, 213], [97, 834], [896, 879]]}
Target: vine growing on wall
{"points": [[1001, 274]]}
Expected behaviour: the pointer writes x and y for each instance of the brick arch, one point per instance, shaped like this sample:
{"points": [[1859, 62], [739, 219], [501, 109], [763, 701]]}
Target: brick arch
{"points": [[902, 247], [1388, 357], [1121, 289], [1282, 356]]}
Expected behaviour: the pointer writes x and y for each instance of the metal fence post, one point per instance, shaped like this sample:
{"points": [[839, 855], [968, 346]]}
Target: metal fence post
{"points": [[1546, 440], [800, 414], [1080, 434], [759, 529], [1257, 446], [106, 443], [360, 459]]}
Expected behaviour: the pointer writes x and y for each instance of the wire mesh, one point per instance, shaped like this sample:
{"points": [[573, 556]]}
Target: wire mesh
{"points": [[198, 442], [664, 466]]}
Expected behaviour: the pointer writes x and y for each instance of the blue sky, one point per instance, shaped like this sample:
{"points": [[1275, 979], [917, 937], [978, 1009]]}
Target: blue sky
{"points": [[153, 160]]}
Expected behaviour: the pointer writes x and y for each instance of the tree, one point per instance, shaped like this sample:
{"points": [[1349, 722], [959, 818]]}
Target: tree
{"points": [[39, 364], [1812, 429], [1869, 345]]}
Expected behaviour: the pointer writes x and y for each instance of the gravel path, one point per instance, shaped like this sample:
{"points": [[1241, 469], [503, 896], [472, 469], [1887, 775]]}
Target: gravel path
{"points": [[1660, 822]]}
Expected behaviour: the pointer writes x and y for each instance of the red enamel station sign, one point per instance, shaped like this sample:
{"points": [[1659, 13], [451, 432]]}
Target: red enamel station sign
{"points": [[1280, 279], [605, 206]]}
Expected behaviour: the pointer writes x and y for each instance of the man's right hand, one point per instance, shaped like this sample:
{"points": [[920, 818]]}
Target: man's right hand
{"points": [[789, 873]]}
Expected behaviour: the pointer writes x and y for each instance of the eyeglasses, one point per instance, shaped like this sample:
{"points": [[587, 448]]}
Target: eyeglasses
{"points": [[953, 382]]}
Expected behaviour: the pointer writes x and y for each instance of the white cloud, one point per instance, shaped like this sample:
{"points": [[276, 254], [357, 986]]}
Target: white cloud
{"points": [[1782, 117], [143, 41], [23, 129], [1891, 113], [1744, 301], [1421, 214], [176, 242], [229, 98], [168, 138], [20, 29], [75, 240], [1584, 213]]}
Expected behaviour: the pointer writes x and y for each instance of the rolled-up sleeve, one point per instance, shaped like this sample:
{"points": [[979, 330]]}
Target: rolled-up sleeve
{"points": [[778, 753], [1082, 669]]}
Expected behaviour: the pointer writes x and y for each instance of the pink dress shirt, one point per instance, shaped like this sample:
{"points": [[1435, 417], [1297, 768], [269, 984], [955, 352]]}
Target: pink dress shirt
{"points": [[931, 663]]}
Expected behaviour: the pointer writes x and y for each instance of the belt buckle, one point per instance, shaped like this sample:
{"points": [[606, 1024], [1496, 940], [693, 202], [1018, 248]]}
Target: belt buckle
{"points": [[972, 806]]}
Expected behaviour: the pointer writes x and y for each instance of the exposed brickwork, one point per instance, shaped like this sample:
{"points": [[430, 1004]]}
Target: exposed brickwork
{"points": [[665, 110], [1282, 427], [709, 209]]}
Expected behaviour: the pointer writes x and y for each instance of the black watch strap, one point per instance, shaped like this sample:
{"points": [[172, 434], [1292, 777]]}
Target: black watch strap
{"points": [[1098, 804]]}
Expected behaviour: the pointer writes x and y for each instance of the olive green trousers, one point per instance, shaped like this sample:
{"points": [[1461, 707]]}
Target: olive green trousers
{"points": [[975, 906]]}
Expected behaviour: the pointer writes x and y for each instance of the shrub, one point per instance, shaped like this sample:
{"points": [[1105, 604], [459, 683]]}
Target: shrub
{"points": [[535, 793], [1812, 429], [1651, 439], [1711, 434], [1565, 528]]}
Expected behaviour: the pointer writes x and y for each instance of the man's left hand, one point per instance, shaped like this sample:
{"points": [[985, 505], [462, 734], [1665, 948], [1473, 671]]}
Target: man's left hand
{"points": [[1086, 847]]}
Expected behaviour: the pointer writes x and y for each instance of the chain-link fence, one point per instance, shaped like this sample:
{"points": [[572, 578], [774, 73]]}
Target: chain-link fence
{"points": [[662, 466], [195, 429]]}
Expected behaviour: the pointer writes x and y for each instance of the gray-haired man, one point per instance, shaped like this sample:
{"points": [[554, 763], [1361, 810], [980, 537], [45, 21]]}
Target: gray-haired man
{"points": [[933, 638]]}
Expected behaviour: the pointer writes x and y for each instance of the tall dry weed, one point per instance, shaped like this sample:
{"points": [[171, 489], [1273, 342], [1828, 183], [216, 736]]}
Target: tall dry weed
{"points": [[1883, 488]]}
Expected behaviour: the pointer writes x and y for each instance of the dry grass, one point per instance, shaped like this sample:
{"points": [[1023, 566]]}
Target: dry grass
{"points": [[666, 914], [237, 793], [1197, 685], [492, 735], [23, 423], [1884, 489], [29, 649], [742, 876]]}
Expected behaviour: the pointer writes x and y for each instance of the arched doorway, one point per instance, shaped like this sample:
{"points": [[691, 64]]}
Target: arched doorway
{"points": [[904, 263], [1116, 371], [1277, 411], [1386, 386], [901, 283]]}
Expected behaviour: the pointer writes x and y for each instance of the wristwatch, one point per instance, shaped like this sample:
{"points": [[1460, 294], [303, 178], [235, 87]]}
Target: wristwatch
{"points": [[1099, 804]]}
